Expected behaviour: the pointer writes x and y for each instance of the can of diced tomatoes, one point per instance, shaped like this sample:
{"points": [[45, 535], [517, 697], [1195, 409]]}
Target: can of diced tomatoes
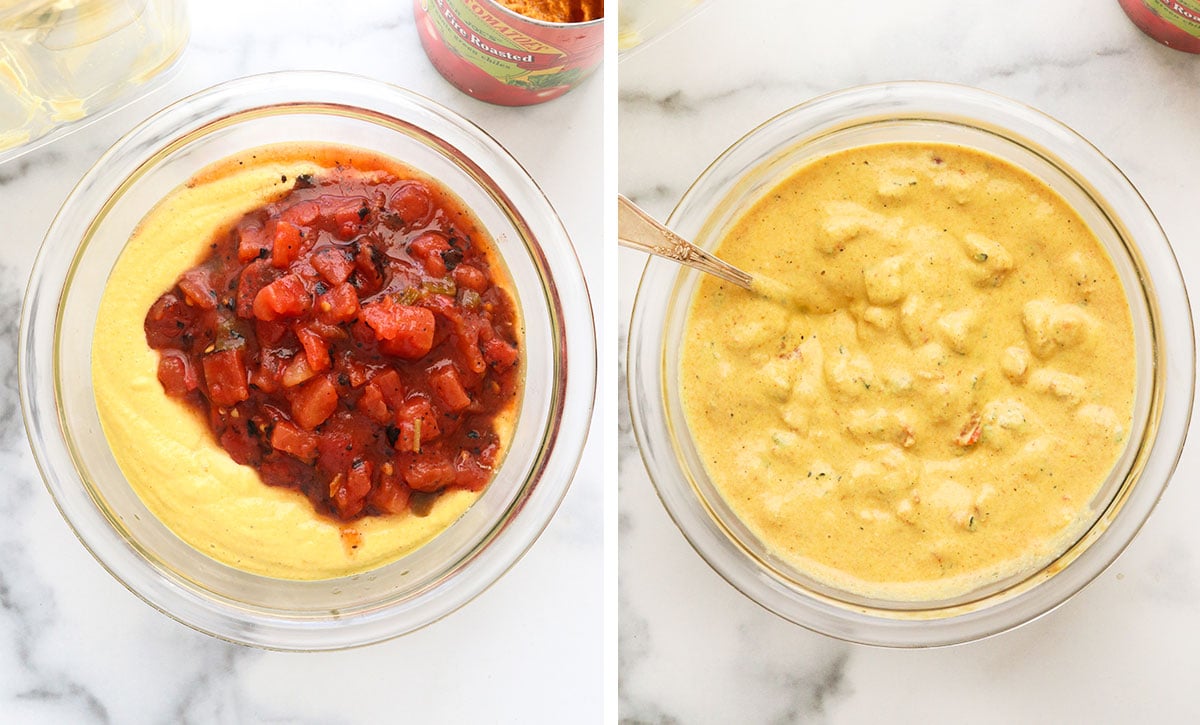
{"points": [[512, 57]]}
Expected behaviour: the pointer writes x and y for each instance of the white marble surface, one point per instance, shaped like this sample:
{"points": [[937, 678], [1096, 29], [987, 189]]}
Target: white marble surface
{"points": [[76, 647], [694, 650]]}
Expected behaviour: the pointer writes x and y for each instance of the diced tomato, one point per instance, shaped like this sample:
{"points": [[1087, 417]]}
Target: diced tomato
{"points": [[198, 289], [427, 248], [297, 371], [391, 495], [294, 441], [368, 265], [499, 353], [240, 445], [372, 405], [286, 245], [176, 373], [470, 473], [355, 370], [348, 493], [333, 264], [429, 473], [390, 387], [315, 402], [270, 333], [167, 319], [285, 297], [344, 215], [446, 383], [413, 203], [254, 277], [252, 242], [417, 423], [225, 376], [339, 304], [470, 277], [302, 213], [316, 349], [266, 377], [405, 330]]}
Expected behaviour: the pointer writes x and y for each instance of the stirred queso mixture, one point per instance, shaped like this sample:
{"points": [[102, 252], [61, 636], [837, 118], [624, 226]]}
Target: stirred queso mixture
{"points": [[948, 391]]}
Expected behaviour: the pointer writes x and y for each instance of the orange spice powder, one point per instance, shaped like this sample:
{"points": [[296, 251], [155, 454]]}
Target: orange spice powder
{"points": [[557, 11]]}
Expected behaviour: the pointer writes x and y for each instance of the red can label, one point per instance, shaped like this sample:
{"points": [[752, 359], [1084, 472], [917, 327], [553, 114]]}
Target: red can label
{"points": [[498, 56]]}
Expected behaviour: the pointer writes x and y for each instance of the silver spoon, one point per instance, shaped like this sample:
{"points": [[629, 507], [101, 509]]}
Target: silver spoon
{"points": [[636, 229]]}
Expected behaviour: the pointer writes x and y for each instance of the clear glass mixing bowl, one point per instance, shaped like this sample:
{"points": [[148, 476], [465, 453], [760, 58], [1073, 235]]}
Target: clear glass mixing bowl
{"points": [[59, 406], [928, 112]]}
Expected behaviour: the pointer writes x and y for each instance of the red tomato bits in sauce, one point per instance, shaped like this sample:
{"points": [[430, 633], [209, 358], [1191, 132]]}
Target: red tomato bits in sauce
{"points": [[351, 340]]}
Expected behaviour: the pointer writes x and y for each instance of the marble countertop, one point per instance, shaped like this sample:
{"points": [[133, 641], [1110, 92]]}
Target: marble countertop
{"points": [[75, 646], [693, 649]]}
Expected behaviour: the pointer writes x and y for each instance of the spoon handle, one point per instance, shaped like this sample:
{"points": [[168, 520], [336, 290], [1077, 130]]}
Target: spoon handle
{"points": [[638, 230]]}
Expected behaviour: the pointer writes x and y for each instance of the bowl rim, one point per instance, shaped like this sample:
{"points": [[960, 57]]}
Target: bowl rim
{"points": [[809, 121], [570, 404]]}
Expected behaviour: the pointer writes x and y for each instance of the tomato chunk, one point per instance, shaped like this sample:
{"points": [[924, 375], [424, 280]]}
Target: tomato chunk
{"points": [[198, 290], [285, 297], [315, 402], [287, 244], [176, 374], [225, 375], [294, 441], [316, 349], [406, 330], [429, 473], [391, 495], [348, 493], [428, 249], [413, 203], [339, 304], [448, 385], [333, 264]]}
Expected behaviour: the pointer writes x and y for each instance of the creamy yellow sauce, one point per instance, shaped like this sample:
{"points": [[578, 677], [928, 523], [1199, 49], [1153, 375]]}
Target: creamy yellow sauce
{"points": [[949, 422], [168, 453]]}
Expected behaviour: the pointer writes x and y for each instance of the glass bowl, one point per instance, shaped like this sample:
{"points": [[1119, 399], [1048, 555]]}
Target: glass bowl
{"points": [[928, 112], [59, 405]]}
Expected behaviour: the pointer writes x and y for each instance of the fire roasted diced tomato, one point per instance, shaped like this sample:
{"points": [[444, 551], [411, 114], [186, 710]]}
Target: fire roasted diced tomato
{"points": [[285, 297], [428, 249], [198, 290], [391, 495], [402, 330], [500, 353], [316, 349], [176, 374], [429, 473], [413, 203], [348, 492], [315, 402], [286, 245], [417, 423], [448, 385], [348, 341], [294, 441], [225, 376], [339, 304], [333, 264]]}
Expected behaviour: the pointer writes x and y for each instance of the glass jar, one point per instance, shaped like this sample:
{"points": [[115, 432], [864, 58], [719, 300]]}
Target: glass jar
{"points": [[64, 60]]}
